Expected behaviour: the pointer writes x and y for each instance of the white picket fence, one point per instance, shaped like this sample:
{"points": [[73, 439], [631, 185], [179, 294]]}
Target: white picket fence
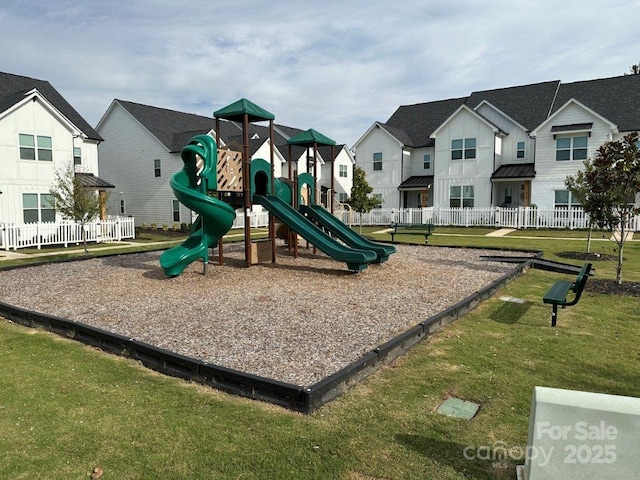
{"points": [[498, 217], [14, 236]]}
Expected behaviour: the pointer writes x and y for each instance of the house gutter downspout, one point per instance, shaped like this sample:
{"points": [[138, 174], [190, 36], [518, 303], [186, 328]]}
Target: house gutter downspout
{"points": [[401, 175], [493, 170]]}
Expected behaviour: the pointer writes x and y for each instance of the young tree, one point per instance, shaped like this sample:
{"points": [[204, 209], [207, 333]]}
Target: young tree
{"points": [[613, 178], [360, 201], [635, 69], [581, 191], [75, 202]]}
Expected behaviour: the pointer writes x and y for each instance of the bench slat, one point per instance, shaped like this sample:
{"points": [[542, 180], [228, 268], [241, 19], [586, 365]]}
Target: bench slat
{"points": [[558, 292]]}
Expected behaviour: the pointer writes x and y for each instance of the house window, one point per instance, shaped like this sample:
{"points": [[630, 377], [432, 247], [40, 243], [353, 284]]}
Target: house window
{"points": [[377, 161], [38, 207], [175, 205], [461, 196], [426, 161], [508, 195], [379, 197], [571, 148], [122, 206], [343, 171], [77, 156], [565, 199], [463, 148], [38, 148], [342, 197], [45, 152], [156, 168], [520, 150], [27, 147]]}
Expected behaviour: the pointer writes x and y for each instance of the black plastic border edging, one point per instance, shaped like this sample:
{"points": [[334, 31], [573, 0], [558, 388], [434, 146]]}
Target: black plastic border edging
{"points": [[333, 386], [170, 363], [294, 397]]}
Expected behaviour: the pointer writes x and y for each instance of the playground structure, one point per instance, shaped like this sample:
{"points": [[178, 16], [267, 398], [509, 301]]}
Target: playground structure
{"points": [[213, 182]]}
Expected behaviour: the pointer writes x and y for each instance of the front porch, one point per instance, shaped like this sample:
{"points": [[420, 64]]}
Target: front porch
{"points": [[511, 185]]}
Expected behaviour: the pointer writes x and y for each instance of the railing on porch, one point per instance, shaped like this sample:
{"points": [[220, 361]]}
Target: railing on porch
{"points": [[14, 236]]}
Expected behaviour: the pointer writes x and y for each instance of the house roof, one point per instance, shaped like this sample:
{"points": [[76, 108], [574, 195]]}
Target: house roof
{"points": [[617, 99], [325, 151], [514, 170], [172, 128], [417, 181], [526, 104], [415, 123], [89, 180], [14, 87]]}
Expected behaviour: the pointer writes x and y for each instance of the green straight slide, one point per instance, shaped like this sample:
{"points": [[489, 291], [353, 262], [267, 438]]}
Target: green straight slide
{"points": [[214, 220], [355, 259], [345, 233]]}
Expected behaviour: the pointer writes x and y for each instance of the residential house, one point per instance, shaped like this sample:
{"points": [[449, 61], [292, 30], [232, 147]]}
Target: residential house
{"points": [[142, 151], [40, 134], [503, 147]]}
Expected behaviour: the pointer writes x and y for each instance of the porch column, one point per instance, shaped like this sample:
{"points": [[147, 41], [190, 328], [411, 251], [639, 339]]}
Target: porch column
{"points": [[102, 196]]}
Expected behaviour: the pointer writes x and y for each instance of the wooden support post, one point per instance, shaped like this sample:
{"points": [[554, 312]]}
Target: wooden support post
{"points": [[247, 189]]}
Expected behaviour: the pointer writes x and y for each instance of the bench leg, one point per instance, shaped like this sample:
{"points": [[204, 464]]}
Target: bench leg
{"points": [[554, 315]]}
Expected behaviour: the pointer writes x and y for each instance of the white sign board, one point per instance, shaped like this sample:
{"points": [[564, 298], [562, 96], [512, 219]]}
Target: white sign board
{"points": [[582, 435]]}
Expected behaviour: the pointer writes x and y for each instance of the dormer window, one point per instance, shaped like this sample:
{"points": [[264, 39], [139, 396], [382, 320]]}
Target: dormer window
{"points": [[520, 150]]}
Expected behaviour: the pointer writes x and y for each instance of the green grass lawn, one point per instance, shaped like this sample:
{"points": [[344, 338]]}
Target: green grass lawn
{"points": [[66, 408]]}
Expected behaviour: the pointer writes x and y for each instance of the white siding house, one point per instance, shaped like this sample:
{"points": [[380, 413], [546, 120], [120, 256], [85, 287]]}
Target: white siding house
{"points": [[564, 141], [343, 163], [464, 159], [505, 147], [141, 165], [40, 134], [386, 162]]}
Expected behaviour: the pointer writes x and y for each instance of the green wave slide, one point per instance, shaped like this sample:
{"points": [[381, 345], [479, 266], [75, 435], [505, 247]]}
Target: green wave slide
{"points": [[356, 259], [329, 222], [214, 220]]}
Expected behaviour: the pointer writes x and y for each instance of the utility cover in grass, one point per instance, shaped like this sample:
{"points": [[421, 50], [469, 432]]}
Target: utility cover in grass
{"points": [[454, 407]]}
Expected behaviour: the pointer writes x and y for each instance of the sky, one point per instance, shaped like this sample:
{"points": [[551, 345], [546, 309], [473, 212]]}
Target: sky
{"points": [[335, 66]]}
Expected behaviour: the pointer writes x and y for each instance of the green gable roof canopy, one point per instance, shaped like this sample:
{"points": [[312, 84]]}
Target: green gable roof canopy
{"points": [[237, 110], [309, 138]]}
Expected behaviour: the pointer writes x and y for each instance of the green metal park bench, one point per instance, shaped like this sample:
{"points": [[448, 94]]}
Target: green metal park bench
{"points": [[412, 228], [558, 293]]}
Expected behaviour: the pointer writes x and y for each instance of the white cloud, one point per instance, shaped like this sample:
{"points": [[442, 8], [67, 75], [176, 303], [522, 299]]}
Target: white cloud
{"points": [[334, 66]]}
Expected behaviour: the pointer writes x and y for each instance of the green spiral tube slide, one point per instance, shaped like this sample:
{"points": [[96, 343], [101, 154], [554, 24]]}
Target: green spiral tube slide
{"points": [[190, 186]]}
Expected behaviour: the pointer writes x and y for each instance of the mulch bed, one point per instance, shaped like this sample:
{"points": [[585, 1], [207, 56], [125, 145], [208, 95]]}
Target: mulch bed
{"points": [[597, 285], [611, 287], [594, 257]]}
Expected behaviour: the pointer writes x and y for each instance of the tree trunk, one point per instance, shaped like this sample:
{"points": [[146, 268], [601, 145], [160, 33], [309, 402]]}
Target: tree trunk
{"points": [[84, 238], [619, 266], [620, 242], [589, 237]]}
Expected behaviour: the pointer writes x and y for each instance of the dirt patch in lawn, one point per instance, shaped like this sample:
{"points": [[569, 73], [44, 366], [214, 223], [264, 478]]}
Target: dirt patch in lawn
{"points": [[611, 287], [593, 257]]}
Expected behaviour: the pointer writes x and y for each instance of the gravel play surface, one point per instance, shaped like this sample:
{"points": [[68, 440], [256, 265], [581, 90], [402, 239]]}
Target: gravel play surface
{"points": [[297, 321]]}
